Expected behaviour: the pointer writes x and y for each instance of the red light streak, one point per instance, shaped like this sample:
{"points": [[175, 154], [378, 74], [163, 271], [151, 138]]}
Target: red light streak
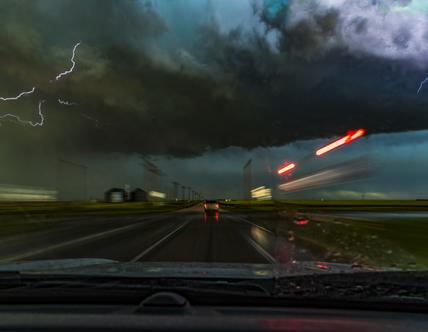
{"points": [[352, 135], [301, 222], [322, 266], [286, 168]]}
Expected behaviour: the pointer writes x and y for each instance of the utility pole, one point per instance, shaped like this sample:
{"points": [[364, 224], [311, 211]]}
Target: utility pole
{"points": [[143, 171], [175, 190], [247, 179], [183, 193]]}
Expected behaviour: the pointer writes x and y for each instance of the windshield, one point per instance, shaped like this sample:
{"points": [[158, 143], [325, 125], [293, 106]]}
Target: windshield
{"points": [[274, 132]]}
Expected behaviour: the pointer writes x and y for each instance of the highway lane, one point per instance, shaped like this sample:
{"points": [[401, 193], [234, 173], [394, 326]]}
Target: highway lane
{"points": [[183, 236]]}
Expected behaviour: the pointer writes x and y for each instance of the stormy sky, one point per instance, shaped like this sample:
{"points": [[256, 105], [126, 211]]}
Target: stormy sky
{"points": [[201, 86]]}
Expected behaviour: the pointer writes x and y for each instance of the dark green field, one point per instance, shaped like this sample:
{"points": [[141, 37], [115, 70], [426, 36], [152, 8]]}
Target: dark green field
{"points": [[24, 217], [330, 205], [379, 241]]}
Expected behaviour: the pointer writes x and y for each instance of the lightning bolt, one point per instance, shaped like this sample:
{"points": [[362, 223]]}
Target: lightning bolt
{"points": [[26, 122], [41, 102], [66, 103], [86, 116], [422, 85], [18, 96], [73, 64]]}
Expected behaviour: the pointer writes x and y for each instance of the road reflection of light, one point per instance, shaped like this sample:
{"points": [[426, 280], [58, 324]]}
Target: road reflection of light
{"points": [[262, 272], [208, 216], [259, 235], [322, 266], [301, 222]]}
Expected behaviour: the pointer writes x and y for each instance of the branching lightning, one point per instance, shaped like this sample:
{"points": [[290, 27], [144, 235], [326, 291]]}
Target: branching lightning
{"points": [[26, 122], [66, 103], [73, 64], [422, 85], [41, 102], [18, 96]]}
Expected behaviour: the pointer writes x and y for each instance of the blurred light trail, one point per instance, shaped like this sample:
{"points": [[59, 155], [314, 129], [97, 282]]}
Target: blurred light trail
{"points": [[422, 85], [73, 64], [261, 193], [15, 193], [351, 136], [157, 194], [27, 122], [19, 96], [286, 168], [345, 172], [66, 103]]}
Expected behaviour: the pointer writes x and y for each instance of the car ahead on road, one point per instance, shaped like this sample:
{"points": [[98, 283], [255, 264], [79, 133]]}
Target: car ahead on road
{"points": [[211, 206]]}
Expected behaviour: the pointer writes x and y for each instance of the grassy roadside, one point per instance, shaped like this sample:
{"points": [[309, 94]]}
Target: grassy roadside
{"points": [[57, 209], [327, 205], [246, 206], [355, 205], [400, 243], [27, 217], [380, 241]]}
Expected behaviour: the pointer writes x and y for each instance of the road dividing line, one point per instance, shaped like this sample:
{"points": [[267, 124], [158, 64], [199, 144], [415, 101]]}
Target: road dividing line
{"points": [[159, 242], [261, 250], [69, 243]]}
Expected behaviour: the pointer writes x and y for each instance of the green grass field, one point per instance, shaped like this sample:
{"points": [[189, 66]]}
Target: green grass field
{"points": [[26, 217], [401, 243], [381, 241], [66, 208], [329, 205]]}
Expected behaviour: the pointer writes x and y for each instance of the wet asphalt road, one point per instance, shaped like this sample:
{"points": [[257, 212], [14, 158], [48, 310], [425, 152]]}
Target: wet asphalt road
{"points": [[183, 236]]}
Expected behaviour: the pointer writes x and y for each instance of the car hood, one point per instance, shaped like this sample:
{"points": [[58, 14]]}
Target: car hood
{"points": [[106, 267]]}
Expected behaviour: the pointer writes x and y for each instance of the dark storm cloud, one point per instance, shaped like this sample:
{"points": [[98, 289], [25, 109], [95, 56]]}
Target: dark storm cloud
{"points": [[232, 89]]}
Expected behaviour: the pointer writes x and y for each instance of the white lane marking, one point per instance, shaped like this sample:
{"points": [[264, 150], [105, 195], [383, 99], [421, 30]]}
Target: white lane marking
{"points": [[70, 242], [261, 250], [253, 224], [157, 243]]}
